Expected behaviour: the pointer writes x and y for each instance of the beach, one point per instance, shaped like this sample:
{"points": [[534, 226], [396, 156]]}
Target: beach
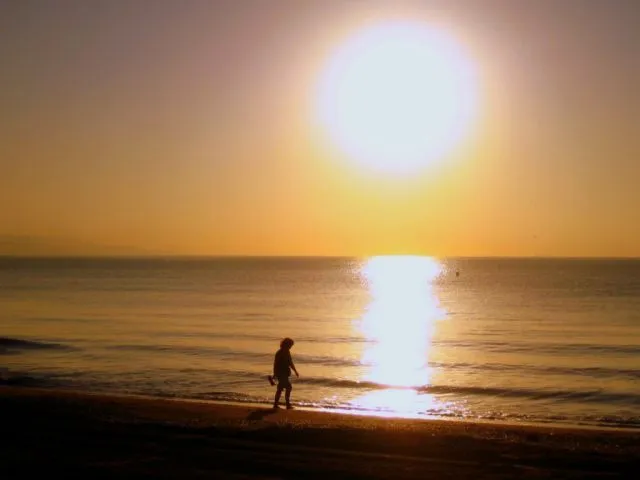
{"points": [[539, 340], [103, 436], [414, 222]]}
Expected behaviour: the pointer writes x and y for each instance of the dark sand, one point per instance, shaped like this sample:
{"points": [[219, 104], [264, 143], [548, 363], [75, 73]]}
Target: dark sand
{"points": [[47, 432]]}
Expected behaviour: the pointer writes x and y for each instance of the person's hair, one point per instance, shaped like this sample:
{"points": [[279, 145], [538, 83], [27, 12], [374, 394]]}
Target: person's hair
{"points": [[286, 343]]}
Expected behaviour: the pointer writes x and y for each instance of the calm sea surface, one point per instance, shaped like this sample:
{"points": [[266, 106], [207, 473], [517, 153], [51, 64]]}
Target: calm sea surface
{"points": [[553, 341]]}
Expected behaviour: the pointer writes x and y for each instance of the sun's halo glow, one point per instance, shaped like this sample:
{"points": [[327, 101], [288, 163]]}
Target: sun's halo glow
{"points": [[397, 96]]}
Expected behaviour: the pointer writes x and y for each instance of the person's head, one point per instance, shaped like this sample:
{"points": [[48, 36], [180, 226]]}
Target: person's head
{"points": [[286, 343]]}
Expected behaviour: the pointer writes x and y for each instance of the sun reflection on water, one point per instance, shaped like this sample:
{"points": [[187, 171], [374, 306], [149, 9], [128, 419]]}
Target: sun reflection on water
{"points": [[399, 324]]}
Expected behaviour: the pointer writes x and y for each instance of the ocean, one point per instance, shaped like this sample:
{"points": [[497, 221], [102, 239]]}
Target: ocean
{"points": [[552, 341]]}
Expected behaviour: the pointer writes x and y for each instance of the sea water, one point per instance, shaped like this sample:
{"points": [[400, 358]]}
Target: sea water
{"points": [[519, 340]]}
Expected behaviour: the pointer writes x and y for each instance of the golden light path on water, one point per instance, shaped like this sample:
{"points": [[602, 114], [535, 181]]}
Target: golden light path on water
{"points": [[399, 324]]}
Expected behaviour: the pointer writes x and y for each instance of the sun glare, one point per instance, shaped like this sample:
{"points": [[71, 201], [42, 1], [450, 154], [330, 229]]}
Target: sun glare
{"points": [[400, 320], [397, 97], [393, 402]]}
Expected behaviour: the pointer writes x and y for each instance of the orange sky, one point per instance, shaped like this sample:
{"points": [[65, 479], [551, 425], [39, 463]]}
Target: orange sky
{"points": [[187, 129]]}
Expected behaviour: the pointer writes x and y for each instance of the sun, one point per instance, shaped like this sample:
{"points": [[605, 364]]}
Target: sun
{"points": [[397, 96]]}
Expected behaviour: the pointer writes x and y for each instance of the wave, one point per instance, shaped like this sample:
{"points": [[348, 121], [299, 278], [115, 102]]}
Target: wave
{"points": [[548, 348], [222, 353], [275, 340], [596, 396], [597, 372], [622, 399], [538, 348], [219, 353], [227, 353], [15, 345], [22, 381]]}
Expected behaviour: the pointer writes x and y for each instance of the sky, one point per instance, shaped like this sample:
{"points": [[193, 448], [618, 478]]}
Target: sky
{"points": [[166, 127]]}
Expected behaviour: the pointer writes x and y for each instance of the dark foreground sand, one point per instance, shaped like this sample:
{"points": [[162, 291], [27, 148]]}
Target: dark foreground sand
{"points": [[91, 436]]}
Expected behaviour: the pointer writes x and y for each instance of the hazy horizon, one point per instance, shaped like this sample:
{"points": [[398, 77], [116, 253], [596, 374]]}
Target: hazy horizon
{"points": [[39, 248]]}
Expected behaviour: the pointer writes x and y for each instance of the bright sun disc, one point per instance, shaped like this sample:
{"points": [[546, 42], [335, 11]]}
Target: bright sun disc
{"points": [[397, 97]]}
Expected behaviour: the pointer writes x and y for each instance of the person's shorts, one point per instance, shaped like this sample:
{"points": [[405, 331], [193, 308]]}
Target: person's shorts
{"points": [[284, 382]]}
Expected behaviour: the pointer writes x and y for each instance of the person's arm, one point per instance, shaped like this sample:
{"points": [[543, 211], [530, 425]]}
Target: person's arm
{"points": [[293, 367]]}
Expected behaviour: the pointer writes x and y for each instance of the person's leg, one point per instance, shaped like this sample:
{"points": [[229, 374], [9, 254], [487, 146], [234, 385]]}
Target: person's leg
{"points": [[287, 396], [276, 400]]}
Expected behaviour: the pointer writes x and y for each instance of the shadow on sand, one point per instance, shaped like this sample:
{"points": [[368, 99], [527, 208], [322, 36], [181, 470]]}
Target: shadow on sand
{"points": [[260, 414]]}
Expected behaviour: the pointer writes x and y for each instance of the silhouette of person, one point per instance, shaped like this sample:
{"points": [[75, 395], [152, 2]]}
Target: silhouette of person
{"points": [[282, 366]]}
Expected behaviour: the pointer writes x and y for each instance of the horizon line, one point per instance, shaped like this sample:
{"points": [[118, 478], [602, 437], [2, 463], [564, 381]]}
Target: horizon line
{"points": [[253, 256]]}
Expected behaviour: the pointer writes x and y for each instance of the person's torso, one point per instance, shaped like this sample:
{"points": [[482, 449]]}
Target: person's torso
{"points": [[282, 363]]}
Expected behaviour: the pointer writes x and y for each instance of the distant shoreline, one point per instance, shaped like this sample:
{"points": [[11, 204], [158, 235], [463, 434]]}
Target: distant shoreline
{"points": [[300, 257]]}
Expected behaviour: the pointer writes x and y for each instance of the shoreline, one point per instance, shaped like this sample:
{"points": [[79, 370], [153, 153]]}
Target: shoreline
{"points": [[135, 437], [347, 412]]}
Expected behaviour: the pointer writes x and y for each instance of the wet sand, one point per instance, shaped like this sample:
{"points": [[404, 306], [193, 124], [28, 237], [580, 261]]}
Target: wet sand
{"points": [[99, 436]]}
